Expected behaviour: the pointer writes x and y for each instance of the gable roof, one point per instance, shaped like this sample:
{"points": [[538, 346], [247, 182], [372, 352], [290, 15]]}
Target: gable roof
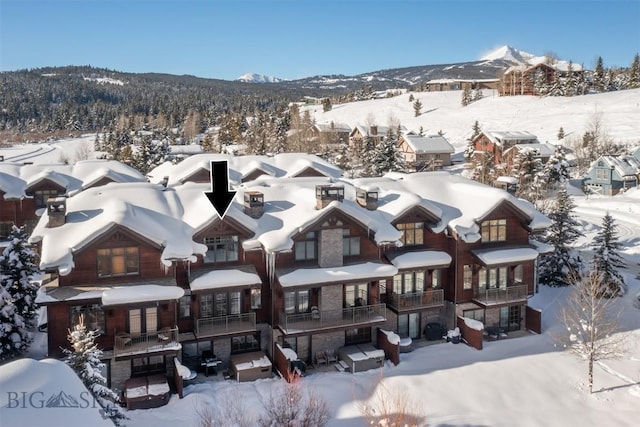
{"points": [[624, 166], [498, 136], [428, 144], [332, 127]]}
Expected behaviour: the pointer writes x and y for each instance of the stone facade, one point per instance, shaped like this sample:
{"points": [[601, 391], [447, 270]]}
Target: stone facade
{"points": [[120, 372], [330, 297], [328, 341], [330, 248]]}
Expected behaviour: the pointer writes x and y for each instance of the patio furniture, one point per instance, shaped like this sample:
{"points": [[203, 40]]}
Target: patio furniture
{"points": [[321, 358], [331, 356], [209, 361], [434, 331]]}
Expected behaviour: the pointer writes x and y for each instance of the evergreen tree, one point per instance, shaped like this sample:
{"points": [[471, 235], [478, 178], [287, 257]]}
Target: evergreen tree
{"points": [[411, 98], [466, 96], [540, 83], [326, 105], [570, 81], [557, 268], [280, 129], [477, 95], [560, 133], [150, 154], [386, 157], [84, 359], [470, 148], [484, 171], [598, 76], [556, 88], [606, 257], [367, 156], [555, 171], [417, 107], [634, 73], [208, 143], [526, 167]]}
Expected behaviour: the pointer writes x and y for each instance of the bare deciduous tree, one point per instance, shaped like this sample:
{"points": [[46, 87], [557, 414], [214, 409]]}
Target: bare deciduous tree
{"points": [[229, 411], [391, 407], [591, 320], [295, 406]]}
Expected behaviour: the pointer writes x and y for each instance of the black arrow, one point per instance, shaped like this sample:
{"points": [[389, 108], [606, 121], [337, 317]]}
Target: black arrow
{"points": [[220, 196]]}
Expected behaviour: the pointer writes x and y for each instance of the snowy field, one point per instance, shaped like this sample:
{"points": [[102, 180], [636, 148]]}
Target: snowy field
{"points": [[527, 381]]}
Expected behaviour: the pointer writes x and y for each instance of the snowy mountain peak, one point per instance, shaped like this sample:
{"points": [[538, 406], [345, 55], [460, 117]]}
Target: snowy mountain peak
{"points": [[258, 78], [506, 53]]}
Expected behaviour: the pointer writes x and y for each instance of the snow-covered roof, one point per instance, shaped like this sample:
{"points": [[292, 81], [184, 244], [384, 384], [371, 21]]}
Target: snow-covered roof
{"points": [[333, 127], [240, 167], [59, 396], [539, 149], [381, 131], [311, 276], [73, 178], [625, 166], [245, 276], [499, 136], [420, 259], [140, 293], [428, 144], [504, 256]]}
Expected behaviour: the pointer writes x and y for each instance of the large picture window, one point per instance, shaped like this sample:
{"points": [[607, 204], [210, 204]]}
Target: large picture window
{"points": [[306, 248], [221, 249], [494, 230], [93, 316], [350, 244], [408, 282], [118, 261], [220, 304], [296, 302], [412, 233], [492, 278]]}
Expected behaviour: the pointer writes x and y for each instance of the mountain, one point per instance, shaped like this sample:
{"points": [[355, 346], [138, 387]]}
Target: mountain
{"points": [[62, 400], [506, 53], [258, 78]]}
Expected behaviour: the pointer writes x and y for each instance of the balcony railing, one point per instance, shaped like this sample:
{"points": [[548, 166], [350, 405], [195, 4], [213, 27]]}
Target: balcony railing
{"points": [[127, 344], [426, 299], [501, 296], [222, 325], [334, 318]]}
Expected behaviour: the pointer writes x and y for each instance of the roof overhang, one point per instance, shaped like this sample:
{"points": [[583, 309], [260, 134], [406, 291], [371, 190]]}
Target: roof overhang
{"points": [[494, 257]]}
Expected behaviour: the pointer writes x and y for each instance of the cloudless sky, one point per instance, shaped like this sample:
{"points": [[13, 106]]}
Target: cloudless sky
{"points": [[299, 38]]}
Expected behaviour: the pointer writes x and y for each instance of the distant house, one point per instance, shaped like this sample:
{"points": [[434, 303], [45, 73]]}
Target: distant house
{"points": [[497, 143], [425, 152], [540, 151], [443, 85], [329, 133], [521, 79], [609, 175], [375, 132]]}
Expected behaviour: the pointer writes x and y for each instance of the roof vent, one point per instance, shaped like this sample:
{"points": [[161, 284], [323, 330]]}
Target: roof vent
{"points": [[367, 199], [253, 203], [326, 194]]}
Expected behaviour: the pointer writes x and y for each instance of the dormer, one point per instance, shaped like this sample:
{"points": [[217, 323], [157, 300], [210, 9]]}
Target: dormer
{"points": [[367, 199], [326, 194], [253, 204], [56, 211]]}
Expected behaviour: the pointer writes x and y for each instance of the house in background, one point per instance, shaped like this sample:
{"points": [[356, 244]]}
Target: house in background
{"points": [[422, 153], [329, 133], [610, 175], [539, 151], [522, 79], [440, 85], [496, 143]]}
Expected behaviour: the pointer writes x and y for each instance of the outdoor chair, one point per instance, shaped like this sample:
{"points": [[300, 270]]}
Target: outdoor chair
{"points": [[321, 358], [331, 356]]}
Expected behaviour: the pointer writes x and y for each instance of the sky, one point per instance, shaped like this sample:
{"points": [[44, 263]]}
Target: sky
{"points": [[292, 39]]}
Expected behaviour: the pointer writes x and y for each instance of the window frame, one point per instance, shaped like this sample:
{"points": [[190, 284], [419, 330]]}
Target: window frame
{"points": [[467, 277], [90, 311], [494, 230], [227, 245], [350, 243], [412, 233], [306, 248], [105, 258], [301, 302]]}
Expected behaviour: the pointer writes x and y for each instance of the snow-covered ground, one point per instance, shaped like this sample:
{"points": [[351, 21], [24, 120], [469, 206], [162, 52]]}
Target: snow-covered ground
{"points": [[527, 381]]}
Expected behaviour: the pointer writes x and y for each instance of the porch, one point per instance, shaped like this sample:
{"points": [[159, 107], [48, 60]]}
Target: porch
{"points": [[316, 319], [426, 299], [126, 344], [504, 295], [224, 325]]}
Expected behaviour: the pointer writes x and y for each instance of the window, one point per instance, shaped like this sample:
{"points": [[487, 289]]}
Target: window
{"points": [[221, 249], [306, 248], [518, 274], [296, 302], [409, 325], [494, 230], [477, 314], [256, 299], [492, 278], [245, 343], [350, 244], [220, 304], [184, 306], [467, 275], [206, 306], [143, 320], [436, 278], [408, 282], [93, 316], [412, 233], [602, 174], [357, 336], [118, 261], [356, 295], [41, 197], [142, 366]]}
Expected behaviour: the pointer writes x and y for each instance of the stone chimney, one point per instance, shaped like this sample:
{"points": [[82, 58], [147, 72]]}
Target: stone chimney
{"points": [[326, 194], [253, 204], [373, 131], [57, 211], [367, 199]]}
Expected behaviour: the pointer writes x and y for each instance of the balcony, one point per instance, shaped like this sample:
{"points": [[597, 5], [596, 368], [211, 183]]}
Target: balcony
{"points": [[426, 299], [352, 316], [500, 296], [223, 325], [127, 344]]}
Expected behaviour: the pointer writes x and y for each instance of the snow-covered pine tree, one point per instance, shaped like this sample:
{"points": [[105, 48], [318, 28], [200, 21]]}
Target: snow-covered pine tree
{"points": [[367, 156], [556, 88], [280, 129], [598, 76], [540, 83], [466, 96], [557, 268], [150, 154], [526, 166], [607, 259], [560, 133], [84, 359], [18, 308], [634, 73], [417, 108], [570, 81], [386, 157], [477, 95]]}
